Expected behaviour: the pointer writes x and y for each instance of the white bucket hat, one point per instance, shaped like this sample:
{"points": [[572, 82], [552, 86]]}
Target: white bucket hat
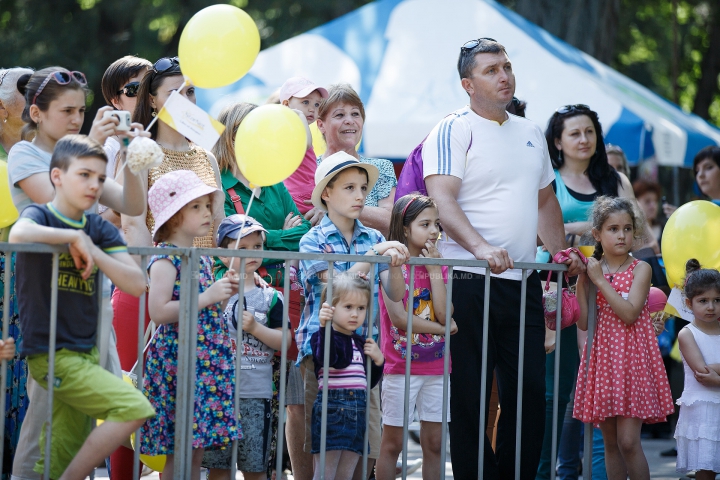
{"points": [[171, 192], [334, 164]]}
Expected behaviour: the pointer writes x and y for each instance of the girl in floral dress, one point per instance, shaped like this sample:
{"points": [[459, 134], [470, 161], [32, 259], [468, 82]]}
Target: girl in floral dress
{"points": [[182, 206], [625, 383]]}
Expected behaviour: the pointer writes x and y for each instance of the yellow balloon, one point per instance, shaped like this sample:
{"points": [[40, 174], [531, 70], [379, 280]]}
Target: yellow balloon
{"points": [[270, 144], [691, 232], [8, 212], [319, 145], [156, 463], [318, 142], [218, 46]]}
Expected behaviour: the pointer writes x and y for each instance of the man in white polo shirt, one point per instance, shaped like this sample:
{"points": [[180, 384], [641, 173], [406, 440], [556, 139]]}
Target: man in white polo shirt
{"points": [[490, 174]]}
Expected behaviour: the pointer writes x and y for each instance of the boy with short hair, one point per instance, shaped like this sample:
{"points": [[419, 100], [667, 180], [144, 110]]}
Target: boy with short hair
{"points": [[82, 389], [260, 318], [342, 183], [303, 96]]}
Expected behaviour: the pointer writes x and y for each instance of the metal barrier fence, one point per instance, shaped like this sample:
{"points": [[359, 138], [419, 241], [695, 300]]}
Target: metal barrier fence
{"points": [[187, 343]]}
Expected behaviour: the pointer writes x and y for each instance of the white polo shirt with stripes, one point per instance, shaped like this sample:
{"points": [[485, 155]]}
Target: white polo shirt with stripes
{"points": [[502, 168]]}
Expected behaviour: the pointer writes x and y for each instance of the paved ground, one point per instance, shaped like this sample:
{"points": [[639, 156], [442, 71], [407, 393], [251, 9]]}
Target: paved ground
{"points": [[661, 468]]}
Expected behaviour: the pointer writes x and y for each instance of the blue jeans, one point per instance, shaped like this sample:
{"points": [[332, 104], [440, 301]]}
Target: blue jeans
{"points": [[345, 420], [571, 451]]}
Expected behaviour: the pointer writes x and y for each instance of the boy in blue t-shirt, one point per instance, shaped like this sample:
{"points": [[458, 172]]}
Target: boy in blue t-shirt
{"points": [[82, 389]]}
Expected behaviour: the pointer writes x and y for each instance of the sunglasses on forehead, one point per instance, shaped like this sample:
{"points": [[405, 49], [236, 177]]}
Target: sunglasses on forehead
{"points": [[572, 108], [62, 78], [130, 90], [3, 74], [165, 64], [472, 44]]}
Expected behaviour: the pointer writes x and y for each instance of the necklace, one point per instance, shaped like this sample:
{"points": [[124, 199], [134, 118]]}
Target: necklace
{"points": [[618, 269]]}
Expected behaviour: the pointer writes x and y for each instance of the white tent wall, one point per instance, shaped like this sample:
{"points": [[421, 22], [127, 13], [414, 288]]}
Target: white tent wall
{"points": [[401, 57]]}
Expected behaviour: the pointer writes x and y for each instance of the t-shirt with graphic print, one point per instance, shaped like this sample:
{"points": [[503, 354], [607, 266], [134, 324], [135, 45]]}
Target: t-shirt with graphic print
{"points": [[255, 375], [77, 312], [427, 350]]}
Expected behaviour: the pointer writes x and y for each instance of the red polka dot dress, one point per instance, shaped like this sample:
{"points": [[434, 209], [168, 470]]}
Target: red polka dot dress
{"points": [[626, 376]]}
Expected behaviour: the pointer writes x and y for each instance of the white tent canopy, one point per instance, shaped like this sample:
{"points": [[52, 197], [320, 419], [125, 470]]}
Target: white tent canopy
{"points": [[401, 57]]}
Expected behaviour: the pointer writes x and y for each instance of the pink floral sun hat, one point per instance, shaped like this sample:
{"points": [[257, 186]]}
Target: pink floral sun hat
{"points": [[171, 192]]}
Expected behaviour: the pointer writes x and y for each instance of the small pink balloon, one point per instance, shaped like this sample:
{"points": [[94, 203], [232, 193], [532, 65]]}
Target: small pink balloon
{"points": [[656, 300]]}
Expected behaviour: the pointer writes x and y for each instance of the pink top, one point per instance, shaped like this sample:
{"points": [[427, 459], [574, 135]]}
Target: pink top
{"points": [[427, 350], [351, 377], [301, 183]]}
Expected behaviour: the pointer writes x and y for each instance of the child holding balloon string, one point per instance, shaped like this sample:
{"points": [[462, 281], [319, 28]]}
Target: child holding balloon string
{"points": [[183, 206], [625, 384]]}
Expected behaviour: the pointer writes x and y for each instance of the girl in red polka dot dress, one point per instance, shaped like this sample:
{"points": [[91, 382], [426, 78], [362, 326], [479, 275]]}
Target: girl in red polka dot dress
{"points": [[625, 383]]}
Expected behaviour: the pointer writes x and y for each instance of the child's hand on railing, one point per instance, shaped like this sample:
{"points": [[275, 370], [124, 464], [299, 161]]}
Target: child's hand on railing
{"points": [[326, 314], [453, 327], [81, 251], [7, 349], [373, 351]]}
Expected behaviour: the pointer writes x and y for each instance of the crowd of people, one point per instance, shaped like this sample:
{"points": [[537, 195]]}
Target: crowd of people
{"points": [[499, 189]]}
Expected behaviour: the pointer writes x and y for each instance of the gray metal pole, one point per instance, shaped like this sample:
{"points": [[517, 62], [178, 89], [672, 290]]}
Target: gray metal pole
{"points": [[5, 334], [483, 374], [408, 368], [326, 367], [51, 359], [556, 377], [283, 376], [521, 374], [238, 358], [592, 323], [140, 363], [368, 366], [446, 373]]}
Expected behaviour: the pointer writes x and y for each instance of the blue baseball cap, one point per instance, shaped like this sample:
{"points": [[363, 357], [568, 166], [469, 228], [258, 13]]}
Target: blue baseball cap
{"points": [[238, 226]]}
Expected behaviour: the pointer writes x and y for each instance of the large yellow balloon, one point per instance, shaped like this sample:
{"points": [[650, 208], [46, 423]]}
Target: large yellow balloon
{"points": [[8, 212], [155, 463], [693, 231], [270, 144], [218, 46]]}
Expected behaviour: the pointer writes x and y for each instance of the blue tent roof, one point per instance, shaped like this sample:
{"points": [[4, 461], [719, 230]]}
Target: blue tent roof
{"points": [[400, 56]]}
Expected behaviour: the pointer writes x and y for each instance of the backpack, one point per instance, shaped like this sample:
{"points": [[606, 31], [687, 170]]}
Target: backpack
{"points": [[411, 179]]}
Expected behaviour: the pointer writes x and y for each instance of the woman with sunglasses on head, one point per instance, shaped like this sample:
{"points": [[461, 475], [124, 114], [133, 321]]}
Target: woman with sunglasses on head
{"points": [[54, 107], [163, 78], [582, 173]]}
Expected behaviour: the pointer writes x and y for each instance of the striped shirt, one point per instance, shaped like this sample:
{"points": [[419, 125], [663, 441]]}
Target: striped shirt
{"points": [[351, 377]]}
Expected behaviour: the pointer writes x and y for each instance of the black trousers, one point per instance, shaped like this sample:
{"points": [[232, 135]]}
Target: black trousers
{"points": [[502, 357]]}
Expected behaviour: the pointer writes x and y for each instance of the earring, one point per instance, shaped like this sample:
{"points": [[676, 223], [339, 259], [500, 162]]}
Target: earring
{"points": [[560, 155], [5, 121], [154, 114]]}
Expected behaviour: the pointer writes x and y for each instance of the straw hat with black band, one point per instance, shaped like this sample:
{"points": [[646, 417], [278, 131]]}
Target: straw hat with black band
{"points": [[331, 166]]}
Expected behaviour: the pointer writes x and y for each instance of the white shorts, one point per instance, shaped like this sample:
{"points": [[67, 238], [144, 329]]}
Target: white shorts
{"points": [[426, 395]]}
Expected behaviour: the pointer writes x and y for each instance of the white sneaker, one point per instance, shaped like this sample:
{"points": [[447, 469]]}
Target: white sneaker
{"points": [[412, 467]]}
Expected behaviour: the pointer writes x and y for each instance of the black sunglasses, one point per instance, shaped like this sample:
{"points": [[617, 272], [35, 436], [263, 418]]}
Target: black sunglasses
{"points": [[572, 108], [472, 44], [3, 74], [130, 90], [165, 64]]}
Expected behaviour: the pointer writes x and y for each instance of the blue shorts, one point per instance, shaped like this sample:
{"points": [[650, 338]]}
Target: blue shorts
{"points": [[345, 420]]}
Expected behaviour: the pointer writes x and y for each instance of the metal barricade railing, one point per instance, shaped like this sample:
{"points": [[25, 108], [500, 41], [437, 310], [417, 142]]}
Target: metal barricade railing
{"points": [[187, 344]]}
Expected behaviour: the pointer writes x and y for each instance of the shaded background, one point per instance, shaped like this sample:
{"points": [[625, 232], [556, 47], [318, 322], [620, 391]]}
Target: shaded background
{"points": [[670, 46]]}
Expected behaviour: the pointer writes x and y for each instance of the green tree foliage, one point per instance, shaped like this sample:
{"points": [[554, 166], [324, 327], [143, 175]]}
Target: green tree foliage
{"points": [[88, 35]]}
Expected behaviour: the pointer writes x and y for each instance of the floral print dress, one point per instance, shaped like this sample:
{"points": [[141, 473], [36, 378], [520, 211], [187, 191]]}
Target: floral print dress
{"points": [[214, 421]]}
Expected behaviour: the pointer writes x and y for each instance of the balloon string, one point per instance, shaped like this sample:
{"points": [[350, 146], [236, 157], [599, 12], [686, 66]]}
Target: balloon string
{"points": [[155, 118], [247, 214]]}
